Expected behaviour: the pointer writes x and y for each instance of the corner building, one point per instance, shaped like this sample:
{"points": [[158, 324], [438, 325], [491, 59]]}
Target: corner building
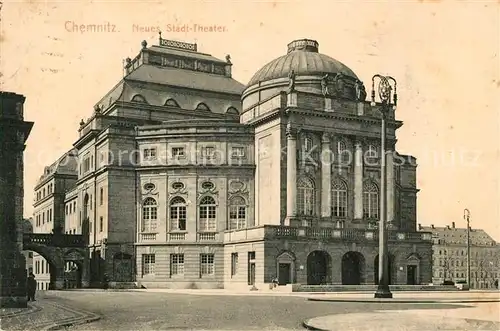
{"points": [[189, 179]]}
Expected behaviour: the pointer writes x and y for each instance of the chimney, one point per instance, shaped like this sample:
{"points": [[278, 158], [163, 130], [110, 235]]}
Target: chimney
{"points": [[453, 225], [420, 227], [432, 226], [448, 227]]}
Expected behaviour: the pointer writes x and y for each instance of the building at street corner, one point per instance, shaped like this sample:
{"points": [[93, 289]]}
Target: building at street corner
{"points": [[450, 256], [186, 178]]}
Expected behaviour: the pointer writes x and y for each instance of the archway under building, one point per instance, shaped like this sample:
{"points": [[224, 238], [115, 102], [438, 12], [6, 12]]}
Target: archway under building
{"points": [[392, 270], [45, 267], [353, 268], [319, 265]]}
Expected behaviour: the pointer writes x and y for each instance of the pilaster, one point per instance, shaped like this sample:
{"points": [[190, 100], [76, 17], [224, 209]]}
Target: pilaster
{"points": [[291, 173], [326, 176], [358, 179]]}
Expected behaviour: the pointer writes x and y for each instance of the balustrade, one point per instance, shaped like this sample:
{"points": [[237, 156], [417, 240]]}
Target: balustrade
{"points": [[177, 236]]}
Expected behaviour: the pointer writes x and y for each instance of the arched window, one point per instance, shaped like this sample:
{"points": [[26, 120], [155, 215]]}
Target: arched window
{"points": [[139, 98], [172, 103], [202, 106], [149, 215], [232, 110], [237, 213], [370, 201], [306, 196], [371, 153], [339, 199], [178, 214], [208, 221]]}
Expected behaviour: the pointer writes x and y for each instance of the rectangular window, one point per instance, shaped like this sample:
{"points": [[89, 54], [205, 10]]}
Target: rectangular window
{"points": [[149, 154], [251, 268], [208, 221], [178, 152], [234, 264], [238, 152], [101, 224], [176, 264], [101, 196], [148, 264], [207, 264], [208, 152], [237, 217]]}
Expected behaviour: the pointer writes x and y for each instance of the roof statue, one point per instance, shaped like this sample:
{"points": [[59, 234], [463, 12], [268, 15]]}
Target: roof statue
{"points": [[291, 81], [324, 85]]}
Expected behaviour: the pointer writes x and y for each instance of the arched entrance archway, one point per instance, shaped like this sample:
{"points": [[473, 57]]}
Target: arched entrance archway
{"points": [[390, 266], [353, 267], [318, 268], [47, 266]]}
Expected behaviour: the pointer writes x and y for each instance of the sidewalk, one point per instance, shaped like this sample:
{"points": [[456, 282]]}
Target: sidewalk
{"points": [[44, 314]]}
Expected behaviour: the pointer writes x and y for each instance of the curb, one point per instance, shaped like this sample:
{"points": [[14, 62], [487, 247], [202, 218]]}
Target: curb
{"points": [[307, 325], [31, 309], [415, 301], [85, 317]]}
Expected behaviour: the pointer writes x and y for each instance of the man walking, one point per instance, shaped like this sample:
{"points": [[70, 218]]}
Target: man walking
{"points": [[31, 287]]}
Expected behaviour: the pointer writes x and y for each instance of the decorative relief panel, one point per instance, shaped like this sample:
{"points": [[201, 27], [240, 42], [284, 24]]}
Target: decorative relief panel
{"points": [[204, 66], [237, 187], [207, 187], [219, 70], [187, 64], [177, 187], [149, 189]]}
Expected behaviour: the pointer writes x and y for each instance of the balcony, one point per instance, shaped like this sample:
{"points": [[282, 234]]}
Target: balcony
{"points": [[307, 233], [177, 236], [144, 237], [208, 236]]}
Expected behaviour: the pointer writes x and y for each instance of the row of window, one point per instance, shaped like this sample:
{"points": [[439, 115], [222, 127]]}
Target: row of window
{"points": [[43, 193], [457, 263], [43, 217], [208, 152], [206, 267], [207, 214], [306, 199], [463, 252], [474, 274]]}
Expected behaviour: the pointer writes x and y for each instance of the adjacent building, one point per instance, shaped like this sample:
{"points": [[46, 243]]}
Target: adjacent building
{"points": [[450, 256], [49, 213], [185, 177]]}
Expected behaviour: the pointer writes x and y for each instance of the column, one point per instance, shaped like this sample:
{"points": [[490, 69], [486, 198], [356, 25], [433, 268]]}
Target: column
{"points": [[291, 173], [390, 182], [326, 176], [358, 181]]}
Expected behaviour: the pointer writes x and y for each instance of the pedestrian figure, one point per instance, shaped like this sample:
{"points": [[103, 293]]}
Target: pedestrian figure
{"points": [[275, 282], [31, 287]]}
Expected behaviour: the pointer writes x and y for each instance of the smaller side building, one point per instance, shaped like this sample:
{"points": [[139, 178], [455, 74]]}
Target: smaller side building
{"points": [[450, 256]]}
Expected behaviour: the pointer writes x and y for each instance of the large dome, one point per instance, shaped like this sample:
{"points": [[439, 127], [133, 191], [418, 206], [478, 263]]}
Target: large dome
{"points": [[302, 57]]}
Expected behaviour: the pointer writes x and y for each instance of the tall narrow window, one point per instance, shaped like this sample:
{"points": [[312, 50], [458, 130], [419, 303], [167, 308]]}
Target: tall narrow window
{"points": [[306, 197], [148, 264], [207, 216], [149, 215], [370, 201], [207, 264], [234, 264], [339, 199], [178, 214], [101, 196], [343, 155], [176, 264], [237, 213], [101, 224]]}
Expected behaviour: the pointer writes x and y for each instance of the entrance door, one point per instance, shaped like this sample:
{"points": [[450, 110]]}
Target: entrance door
{"points": [[284, 274], [411, 275], [251, 273]]}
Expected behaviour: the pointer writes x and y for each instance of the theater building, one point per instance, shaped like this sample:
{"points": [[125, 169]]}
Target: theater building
{"points": [[188, 178]]}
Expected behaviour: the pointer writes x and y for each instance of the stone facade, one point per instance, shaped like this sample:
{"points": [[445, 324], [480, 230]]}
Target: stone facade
{"points": [[450, 256], [187, 178], [14, 132]]}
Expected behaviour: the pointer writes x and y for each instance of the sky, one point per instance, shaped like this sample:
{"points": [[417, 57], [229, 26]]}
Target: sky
{"points": [[444, 55]]}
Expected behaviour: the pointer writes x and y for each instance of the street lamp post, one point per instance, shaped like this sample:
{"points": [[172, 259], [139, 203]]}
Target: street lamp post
{"points": [[467, 218], [385, 92]]}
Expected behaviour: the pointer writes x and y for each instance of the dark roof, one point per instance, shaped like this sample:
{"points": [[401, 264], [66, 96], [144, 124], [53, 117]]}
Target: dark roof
{"points": [[304, 61], [186, 78], [452, 235]]}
